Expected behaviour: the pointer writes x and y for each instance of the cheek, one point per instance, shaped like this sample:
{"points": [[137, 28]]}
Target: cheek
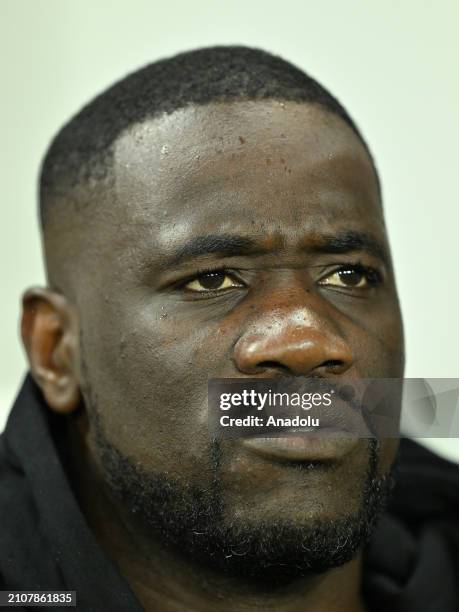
{"points": [[389, 448], [148, 373], [377, 345]]}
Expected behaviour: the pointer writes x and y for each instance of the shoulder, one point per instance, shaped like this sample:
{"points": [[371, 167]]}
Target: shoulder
{"points": [[427, 485], [24, 548]]}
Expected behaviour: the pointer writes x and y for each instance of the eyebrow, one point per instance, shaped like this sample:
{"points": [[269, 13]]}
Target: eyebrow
{"points": [[223, 244], [351, 241], [237, 245]]}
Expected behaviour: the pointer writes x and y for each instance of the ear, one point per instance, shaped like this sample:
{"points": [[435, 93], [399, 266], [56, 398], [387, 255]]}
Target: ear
{"points": [[49, 330]]}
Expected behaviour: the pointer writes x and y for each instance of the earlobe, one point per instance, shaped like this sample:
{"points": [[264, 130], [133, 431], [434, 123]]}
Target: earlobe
{"points": [[49, 331]]}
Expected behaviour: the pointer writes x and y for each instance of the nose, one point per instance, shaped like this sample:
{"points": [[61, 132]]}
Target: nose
{"points": [[293, 341]]}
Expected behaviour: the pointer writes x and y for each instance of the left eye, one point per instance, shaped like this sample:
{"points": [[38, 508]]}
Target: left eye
{"points": [[212, 281], [353, 277]]}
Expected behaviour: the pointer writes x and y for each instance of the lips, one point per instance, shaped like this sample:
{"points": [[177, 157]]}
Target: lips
{"points": [[337, 435], [327, 444]]}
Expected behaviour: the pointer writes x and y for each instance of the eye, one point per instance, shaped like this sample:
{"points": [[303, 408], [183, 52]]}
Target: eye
{"points": [[216, 280], [353, 277]]}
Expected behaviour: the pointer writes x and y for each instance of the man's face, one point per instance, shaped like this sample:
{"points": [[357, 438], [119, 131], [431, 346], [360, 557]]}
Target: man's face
{"points": [[265, 195]]}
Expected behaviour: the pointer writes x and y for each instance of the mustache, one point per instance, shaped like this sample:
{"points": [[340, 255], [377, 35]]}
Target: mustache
{"points": [[361, 407]]}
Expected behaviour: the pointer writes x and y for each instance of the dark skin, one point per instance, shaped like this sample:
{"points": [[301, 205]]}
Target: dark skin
{"points": [[277, 186]]}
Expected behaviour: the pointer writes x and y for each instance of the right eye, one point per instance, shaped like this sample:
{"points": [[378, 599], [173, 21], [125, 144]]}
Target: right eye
{"points": [[216, 280]]}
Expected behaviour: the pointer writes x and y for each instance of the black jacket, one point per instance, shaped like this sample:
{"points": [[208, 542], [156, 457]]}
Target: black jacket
{"points": [[411, 564]]}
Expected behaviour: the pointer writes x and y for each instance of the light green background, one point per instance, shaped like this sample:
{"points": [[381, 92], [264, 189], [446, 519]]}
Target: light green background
{"points": [[394, 64]]}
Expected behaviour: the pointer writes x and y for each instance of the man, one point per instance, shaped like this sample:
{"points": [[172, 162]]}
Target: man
{"points": [[213, 215]]}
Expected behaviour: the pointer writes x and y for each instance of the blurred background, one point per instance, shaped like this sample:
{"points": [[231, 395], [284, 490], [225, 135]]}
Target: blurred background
{"points": [[392, 63]]}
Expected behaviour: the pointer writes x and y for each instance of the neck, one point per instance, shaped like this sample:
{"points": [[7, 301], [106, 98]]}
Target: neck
{"points": [[163, 579]]}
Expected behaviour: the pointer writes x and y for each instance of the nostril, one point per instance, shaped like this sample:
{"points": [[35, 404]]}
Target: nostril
{"points": [[274, 365], [332, 364], [268, 364]]}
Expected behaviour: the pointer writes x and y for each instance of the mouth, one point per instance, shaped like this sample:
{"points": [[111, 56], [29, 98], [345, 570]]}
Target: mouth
{"points": [[326, 444], [336, 431]]}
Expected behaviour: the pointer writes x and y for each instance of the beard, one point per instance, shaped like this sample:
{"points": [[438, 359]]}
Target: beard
{"points": [[270, 553]]}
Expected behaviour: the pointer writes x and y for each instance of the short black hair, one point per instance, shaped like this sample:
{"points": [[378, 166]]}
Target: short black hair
{"points": [[81, 151]]}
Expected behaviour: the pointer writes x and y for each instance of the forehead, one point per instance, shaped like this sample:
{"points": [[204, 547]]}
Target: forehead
{"points": [[269, 165]]}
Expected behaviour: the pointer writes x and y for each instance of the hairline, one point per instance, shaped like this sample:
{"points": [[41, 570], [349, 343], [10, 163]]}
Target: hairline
{"points": [[106, 156]]}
